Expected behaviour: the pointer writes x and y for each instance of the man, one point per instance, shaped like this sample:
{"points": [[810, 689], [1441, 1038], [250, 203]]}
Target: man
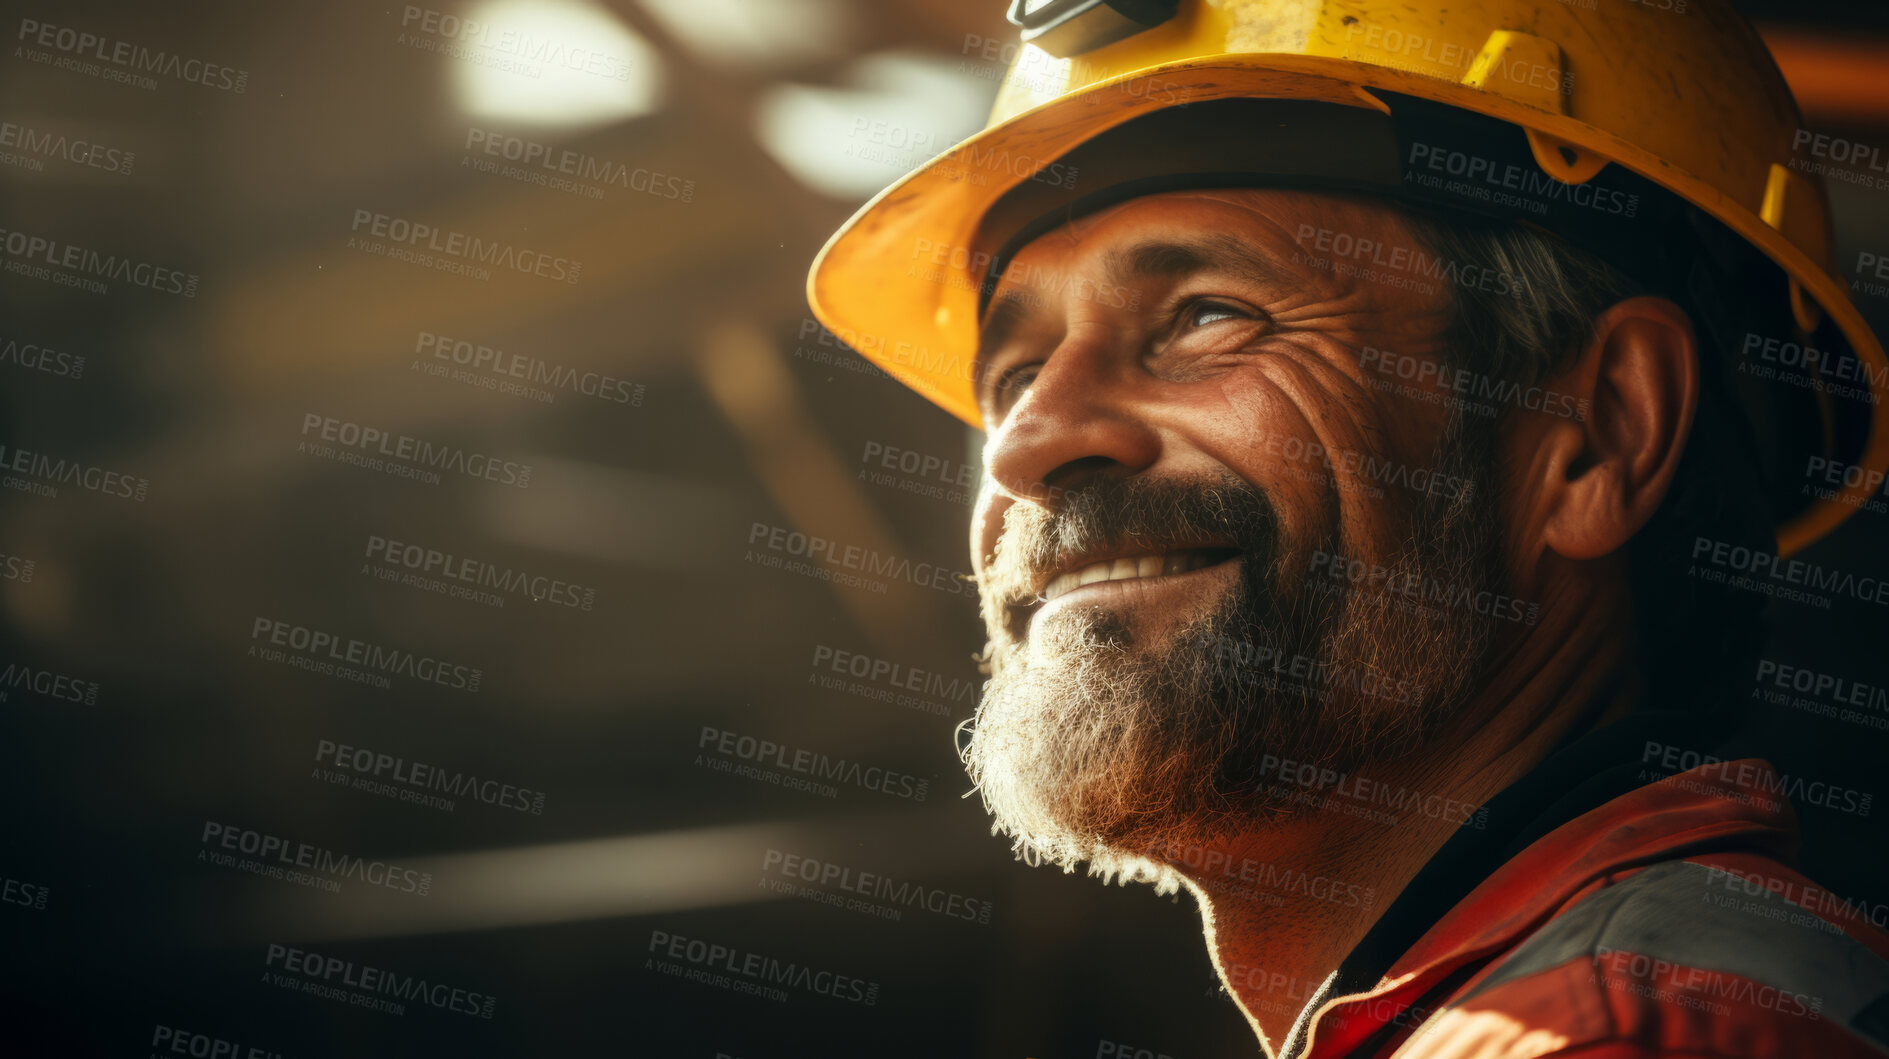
{"points": [[1356, 437]]}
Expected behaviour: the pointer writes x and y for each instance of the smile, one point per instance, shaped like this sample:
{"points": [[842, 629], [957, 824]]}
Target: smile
{"points": [[1136, 568]]}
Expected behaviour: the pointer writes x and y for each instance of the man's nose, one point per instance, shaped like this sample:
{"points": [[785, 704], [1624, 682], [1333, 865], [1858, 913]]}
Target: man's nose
{"points": [[1083, 416]]}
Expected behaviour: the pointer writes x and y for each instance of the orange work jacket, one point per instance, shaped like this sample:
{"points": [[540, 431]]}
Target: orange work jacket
{"points": [[1667, 921]]}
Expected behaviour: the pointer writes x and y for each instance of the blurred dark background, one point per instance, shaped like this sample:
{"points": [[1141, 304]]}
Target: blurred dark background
{"points": [[723, 142]]}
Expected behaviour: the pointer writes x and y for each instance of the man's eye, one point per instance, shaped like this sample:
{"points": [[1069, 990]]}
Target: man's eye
{"points": [[1200, 314], [1012, 383]]}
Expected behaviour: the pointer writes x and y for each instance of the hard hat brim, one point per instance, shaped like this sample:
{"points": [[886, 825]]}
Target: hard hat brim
{"points": [[900, 280]]}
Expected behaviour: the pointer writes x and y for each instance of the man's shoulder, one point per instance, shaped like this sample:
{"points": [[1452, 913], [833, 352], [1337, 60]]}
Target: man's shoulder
{"points": [[1727, 955]]}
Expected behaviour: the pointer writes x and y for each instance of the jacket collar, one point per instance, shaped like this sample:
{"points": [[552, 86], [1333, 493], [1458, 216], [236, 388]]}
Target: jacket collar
{"points": [[1590, 809]]}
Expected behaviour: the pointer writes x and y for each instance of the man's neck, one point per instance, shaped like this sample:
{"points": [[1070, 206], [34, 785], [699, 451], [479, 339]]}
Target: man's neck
{"points": [[1285, 902]]}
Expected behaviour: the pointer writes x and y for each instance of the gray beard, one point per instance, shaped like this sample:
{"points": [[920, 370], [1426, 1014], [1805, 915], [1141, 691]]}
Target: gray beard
{"points": [[1090, 746]]}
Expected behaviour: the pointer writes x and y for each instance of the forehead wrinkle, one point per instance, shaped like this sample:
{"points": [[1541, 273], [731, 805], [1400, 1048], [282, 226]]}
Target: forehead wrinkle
{"points": [[1174, 259]]}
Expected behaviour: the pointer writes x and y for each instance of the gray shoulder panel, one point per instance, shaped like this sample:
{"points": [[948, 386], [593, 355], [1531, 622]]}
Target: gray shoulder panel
{"points": [[1687, 915]]}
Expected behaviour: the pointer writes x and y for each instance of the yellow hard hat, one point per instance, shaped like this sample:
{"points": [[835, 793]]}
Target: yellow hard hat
{"points": [[1621, 128]]}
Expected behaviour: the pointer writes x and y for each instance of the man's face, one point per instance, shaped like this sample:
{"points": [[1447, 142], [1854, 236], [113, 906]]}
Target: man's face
{"points": [[1213, 530]]}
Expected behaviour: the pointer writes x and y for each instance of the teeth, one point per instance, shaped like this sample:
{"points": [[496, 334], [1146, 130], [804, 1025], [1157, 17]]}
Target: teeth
{"points": [[1127, 569]]}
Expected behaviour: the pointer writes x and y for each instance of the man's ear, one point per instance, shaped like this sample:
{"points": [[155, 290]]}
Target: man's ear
{"points": [[1606, 473]]}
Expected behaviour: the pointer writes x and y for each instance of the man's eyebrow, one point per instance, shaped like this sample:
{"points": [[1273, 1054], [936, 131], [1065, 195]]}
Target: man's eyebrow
{"points": [[1178, 259]]}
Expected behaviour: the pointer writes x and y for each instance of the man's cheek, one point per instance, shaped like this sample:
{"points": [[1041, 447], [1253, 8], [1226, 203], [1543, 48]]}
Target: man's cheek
{"points": [[987, 524], [995, 581]]}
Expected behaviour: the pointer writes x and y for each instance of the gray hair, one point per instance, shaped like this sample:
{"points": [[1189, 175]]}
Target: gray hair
{"points": [[1688, 632], [1546, 312]]}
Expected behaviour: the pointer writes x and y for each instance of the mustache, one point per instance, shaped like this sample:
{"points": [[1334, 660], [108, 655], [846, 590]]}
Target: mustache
{"points": [[1134, 514]]}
